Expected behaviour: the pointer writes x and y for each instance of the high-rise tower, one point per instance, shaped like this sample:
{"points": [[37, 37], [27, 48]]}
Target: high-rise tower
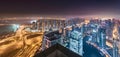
{"points": [[115, 38]]}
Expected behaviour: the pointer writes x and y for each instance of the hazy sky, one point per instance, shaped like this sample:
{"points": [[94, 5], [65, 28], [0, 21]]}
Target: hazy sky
{"points": [[59, 7]]}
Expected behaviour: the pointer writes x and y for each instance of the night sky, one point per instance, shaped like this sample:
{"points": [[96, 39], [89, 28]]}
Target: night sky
{"points": [[60, 7]]}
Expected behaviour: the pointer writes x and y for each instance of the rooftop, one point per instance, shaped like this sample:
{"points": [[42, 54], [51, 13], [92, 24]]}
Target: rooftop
{"points": [[57, 50]]}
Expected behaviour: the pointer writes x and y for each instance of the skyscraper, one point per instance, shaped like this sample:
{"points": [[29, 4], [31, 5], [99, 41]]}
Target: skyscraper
{"points": [[76, 41], [115, 37], [102, 37]]}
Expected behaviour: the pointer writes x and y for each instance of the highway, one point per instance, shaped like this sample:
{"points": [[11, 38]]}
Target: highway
{"points": [[21, 45]]}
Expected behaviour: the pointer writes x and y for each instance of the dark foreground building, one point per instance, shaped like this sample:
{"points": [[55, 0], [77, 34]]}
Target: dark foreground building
{"points": [[57, 51]]}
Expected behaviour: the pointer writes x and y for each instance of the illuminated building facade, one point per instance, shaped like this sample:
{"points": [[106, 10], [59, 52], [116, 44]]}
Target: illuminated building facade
{"points": [[102, 37], [50, 39], [76, 41], [115, 38]]}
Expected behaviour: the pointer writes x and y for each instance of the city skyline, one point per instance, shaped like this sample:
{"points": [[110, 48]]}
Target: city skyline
{"points": [[56, 28]]}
